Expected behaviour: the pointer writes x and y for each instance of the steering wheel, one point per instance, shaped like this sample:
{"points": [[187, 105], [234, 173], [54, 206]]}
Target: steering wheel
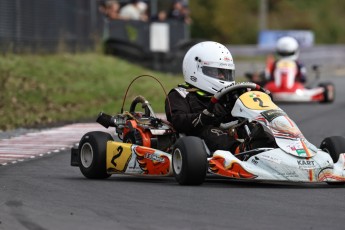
{"points": [[144, 104], [235, 91]]}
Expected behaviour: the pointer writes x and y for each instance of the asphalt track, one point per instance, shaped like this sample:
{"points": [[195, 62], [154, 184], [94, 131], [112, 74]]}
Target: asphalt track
{"points": [[46, 193]]}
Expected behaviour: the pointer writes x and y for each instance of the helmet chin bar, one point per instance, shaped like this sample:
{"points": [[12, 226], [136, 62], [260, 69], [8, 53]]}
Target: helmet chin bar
{"points": [[212, 85]]}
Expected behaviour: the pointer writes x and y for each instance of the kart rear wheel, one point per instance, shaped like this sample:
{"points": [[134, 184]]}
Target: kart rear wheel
{"points": [[329, 92], [189, 161], [334, 146], [92, 154]]}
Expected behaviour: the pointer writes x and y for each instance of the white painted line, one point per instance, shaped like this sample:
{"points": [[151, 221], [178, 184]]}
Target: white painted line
{"points": [[54, 140], [13, 155]]}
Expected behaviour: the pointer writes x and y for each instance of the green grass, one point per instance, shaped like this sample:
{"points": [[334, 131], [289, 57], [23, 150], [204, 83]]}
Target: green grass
{"points": [[48, 89]]}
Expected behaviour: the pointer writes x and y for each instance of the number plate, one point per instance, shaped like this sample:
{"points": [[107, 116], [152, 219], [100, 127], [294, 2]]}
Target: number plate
{"points": [[257, 100], [118, 156]]}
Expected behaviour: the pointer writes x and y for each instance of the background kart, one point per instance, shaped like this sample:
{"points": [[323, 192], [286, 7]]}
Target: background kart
{"points": [[275, 148], [285, 88]]}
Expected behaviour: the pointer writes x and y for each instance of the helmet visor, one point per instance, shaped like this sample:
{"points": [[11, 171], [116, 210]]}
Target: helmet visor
{"points": [[219, 73], [285, 53]]}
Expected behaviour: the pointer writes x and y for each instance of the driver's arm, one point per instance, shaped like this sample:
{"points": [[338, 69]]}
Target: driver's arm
{"points": [[180, 114]]}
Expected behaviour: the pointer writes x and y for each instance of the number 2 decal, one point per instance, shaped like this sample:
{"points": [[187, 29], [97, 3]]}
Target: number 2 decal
{"points": [[261, 104], [119, 150], [257, 101]]}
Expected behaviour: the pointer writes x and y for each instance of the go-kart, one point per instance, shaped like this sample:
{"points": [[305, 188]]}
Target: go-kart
{"points": [[285, 88], [274, 148], [145, 147]]}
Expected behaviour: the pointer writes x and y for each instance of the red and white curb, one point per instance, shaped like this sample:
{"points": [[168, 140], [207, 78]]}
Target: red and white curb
{"points": [[38, 144]]}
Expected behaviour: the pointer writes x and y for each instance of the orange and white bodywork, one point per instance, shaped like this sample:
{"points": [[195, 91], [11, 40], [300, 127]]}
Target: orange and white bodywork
{"points": [[295, 159], [126, 158]]}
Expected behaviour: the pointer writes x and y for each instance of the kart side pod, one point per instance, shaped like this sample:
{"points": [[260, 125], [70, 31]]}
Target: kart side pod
{"points": [[98, 156], [128, 158]]}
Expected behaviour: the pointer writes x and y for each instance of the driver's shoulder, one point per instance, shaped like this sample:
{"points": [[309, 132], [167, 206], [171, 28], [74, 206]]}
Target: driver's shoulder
{"points": [[182, 91]]}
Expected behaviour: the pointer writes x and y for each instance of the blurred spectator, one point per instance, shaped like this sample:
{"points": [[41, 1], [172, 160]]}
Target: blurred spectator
{"points": [[135, 10], [143, 7], [160, 17], [180, 11], [102, 7], [112, 8]]}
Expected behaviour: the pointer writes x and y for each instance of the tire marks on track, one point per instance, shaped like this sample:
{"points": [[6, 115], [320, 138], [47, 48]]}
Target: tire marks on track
{"points": [[45, 142]]}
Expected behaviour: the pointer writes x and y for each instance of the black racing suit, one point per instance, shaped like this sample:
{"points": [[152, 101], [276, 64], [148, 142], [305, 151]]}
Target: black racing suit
{"points": [[185, 107]]}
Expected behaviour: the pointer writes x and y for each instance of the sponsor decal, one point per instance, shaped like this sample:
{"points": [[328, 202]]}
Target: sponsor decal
{"points": [[293, 148], [154, 157], [288, 174], [228, 86], [306, 164], [271, 114], [218, 132], [233, 83], [297, 147], [229, 65], [192, 78], [301, 152], [252, 95], [270, 158], [151, 162], [255, 160], [227, 59]]}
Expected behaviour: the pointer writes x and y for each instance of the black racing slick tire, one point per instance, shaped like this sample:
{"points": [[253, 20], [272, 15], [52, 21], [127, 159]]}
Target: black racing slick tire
{"points": [[329, 92], [92, 154], [334, 146], [189, 161]]}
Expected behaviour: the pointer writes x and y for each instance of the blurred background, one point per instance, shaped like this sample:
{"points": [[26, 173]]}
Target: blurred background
{"points": [[89, 38], [167, 28]]}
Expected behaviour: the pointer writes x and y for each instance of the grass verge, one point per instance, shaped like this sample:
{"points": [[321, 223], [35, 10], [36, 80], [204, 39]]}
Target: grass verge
{"points": [[43, 90]]}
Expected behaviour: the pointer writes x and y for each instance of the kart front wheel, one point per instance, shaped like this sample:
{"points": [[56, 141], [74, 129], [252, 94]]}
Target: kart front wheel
{"points": [[334, 146], [189, 161], [92, 154]]}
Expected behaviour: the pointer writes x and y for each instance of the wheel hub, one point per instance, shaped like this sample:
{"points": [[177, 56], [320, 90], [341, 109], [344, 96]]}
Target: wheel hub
{"points": [[86, 155], [177, 161]]}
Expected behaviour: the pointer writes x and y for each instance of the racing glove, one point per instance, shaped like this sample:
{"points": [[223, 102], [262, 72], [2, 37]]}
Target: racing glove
{"points": [[219, 111], [210, 118], [203, 119]]}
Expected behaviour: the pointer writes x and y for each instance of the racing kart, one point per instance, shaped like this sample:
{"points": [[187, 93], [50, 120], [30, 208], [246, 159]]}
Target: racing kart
{"points": [[285, 88], [274, 148]]}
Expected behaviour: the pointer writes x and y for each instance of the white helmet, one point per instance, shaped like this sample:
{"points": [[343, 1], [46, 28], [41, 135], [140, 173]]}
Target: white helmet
{"points": [[287, 47], [208, 66]]}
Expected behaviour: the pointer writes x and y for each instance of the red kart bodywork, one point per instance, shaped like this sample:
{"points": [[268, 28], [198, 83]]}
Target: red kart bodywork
{"points": [[285, 88]]}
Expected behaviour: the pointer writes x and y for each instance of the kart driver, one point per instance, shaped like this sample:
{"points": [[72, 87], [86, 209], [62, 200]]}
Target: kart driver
{"points": [[287, 48], [207, 68]]}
